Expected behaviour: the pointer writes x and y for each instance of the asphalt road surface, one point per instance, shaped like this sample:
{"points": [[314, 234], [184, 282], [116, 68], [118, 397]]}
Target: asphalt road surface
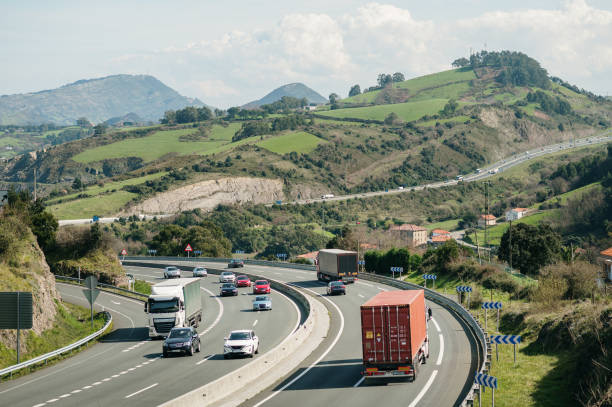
{"points": [[126, 368]]}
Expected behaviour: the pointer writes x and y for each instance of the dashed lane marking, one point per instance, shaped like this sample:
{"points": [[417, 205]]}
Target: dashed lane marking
{"points": [[255, 323], [205, 359], [359, 381], [141, 390]]}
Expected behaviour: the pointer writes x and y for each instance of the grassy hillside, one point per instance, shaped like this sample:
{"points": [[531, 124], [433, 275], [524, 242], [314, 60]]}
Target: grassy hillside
{"points": [[300, 142], [408, 112]]}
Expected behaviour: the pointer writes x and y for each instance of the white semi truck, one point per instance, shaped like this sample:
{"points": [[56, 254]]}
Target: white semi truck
{"points": [[173, 303]]}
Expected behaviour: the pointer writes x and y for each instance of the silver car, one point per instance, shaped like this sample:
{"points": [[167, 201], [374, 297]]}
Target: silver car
{"points": [[200, 272], [172, 272], [227, 277], [262, 302]]}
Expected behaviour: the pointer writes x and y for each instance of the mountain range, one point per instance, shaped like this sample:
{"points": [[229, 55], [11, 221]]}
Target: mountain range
{"points": [[96, 99], [296, 90]]}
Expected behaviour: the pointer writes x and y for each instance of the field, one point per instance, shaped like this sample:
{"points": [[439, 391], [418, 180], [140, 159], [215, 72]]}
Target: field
{"points": [[300, 142], [84, 208], [436, 79], [408, 112], [109, 186], [456, 119]]}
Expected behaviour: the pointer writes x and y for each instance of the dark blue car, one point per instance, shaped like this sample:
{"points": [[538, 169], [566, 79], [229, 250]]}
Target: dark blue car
{"points": [[181, 340], [228, 289]]}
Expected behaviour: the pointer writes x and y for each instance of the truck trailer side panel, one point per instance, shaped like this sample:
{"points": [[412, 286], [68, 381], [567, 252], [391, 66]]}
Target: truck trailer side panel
{"points": [[193, 299]]}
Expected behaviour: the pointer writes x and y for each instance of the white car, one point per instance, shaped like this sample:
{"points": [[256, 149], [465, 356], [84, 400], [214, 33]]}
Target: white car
{"points": [[227, 277], [241, 343], [200, 272], [172, 272]]}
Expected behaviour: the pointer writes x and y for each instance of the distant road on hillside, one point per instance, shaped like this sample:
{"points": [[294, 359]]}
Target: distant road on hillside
{"points": [[485, 172]]}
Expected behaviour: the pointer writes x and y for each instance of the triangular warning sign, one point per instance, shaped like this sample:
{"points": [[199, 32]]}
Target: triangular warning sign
{"points": [[188, 248], [123, 252]]}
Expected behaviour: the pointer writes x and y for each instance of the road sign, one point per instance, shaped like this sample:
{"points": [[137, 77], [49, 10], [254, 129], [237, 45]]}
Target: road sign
{"points": [[279, 202], [361, 262], [95, 219], [281, 255], [197, 252], [91, 293], [239, 252], [492, 305], [152, 251], [397, 269], [486, 380], [464, 289], [505, 339], [188, 248], [430, 276], [16, 312]]}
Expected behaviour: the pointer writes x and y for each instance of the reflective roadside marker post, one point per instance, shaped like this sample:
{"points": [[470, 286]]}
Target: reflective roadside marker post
{"points": [[487, 381], [397, 269], [505, 340]]}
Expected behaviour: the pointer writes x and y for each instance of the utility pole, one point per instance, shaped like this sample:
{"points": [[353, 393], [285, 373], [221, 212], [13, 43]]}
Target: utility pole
{"points": [[34, 184], [485, 216]]}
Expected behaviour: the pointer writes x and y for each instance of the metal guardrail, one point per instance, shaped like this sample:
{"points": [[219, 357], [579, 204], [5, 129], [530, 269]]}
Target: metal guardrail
{"points": [[432, 295], [104, 287], [57, 352]]}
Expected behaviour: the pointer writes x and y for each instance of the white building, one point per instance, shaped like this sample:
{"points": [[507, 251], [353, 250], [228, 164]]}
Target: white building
{"points": [[515, 213]]}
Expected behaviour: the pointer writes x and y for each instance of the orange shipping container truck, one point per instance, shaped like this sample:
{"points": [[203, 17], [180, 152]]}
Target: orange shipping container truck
{"points": [[394, 334]]}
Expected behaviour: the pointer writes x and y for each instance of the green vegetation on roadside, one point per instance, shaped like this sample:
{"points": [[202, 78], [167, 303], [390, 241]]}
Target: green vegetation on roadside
{"points": [[408, 111], [299, 142]]}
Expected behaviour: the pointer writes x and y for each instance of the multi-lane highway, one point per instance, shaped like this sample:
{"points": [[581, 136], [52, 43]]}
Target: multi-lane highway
{"points": [[126, 368]]}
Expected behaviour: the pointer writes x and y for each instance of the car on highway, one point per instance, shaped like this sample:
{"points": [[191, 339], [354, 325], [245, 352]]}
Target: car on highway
{"points": [[243, 281], [478, 170], [235, 263], [228, 289], [241, 343], [182, 340], [262, 302], [494, 171], [400, 188], [227, 277], [336, 287], [200, 272], [172, 272], [261, 287]]}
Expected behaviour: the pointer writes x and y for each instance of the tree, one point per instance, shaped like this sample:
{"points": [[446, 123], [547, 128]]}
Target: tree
{"points": [[533, 247], [100, 129], [333, 97], [208, 238], [232, 112], [169, 117], [44, 226], [384, 80], [355, 90], [460, 63], [449, 108], [83, 122], [398, 77], [391, 118], [77, 184]]}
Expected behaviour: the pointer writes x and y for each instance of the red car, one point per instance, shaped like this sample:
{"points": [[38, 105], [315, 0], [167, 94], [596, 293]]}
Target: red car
{"points": [[261, 287], [243, 281]]}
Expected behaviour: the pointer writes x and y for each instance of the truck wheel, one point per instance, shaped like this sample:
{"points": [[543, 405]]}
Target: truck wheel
{"points": [[165, 354]]}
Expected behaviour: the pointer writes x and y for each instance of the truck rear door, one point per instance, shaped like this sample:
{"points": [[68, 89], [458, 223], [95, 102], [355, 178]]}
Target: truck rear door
{"points": [[386, 334]]}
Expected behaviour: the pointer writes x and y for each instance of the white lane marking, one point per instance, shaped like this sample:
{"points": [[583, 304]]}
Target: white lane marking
{"points": [[138, 365], [131, 368], [76, 391], [63, 396], [436, 324], [255, 323], [115, 376], [124, 372], [141, 390], [439, 361], [380, 288], [96, 383], [109, 294], [39, 405], [424, 389], [106, 379], [361, 295], [369, 285], [146, 363], [218, 316], [52, 400], [86, 387], [359, 381], [298, 377], [115, 302], [204, 360], [108, 308]]}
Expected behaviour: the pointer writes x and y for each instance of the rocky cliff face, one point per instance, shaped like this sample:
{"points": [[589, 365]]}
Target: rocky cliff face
{"points": [[208, 194], [23, 268]]}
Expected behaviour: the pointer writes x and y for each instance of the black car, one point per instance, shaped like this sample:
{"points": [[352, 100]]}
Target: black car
{"points": [[228, 289], [336, 287], [235, 263], [183, 340]]}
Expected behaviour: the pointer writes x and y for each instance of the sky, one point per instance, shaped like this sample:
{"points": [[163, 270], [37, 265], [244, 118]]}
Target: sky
{"points": [[230, 53]]}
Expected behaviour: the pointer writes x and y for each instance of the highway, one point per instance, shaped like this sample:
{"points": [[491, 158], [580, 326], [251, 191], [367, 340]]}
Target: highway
{"points": [[126, 368], [331, 375]]}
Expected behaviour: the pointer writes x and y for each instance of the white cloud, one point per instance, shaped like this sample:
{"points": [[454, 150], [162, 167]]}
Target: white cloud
{"points": [[330, 54]]}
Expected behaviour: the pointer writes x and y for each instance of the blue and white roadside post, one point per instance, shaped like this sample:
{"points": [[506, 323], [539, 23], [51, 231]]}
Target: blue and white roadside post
{"points": [[464, 289], [487, 381], [505, 340], [281, 256], [491, 305], [361, 263], [396, 269], [430, 277]]}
